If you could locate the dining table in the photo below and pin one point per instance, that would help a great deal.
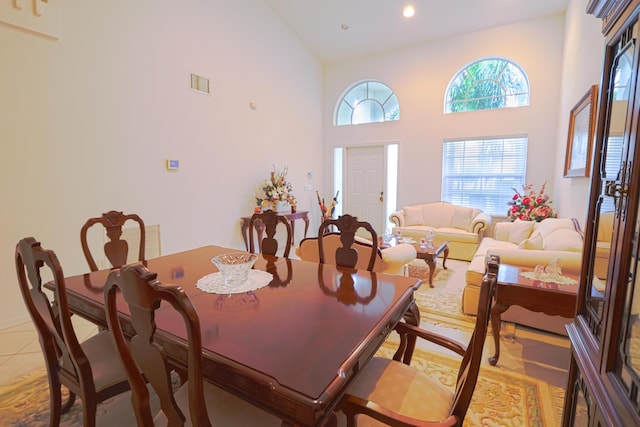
(291, 347)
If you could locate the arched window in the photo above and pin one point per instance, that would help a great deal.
(487, 84)
(367, 102)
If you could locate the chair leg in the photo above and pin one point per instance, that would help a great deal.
(69, 403)
(55, 401)
(89, 411)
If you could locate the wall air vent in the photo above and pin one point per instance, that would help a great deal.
(199, 83)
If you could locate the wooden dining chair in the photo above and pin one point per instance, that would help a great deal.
(92, 369)
(195, 403)
(346, 253)
(389, 392)
(116, 249)
(269, 244)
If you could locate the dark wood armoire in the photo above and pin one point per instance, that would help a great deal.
(604, 377)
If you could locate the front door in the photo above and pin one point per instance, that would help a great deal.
(365, 185)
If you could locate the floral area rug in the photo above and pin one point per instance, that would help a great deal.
(25, 403)
(442, 304)
(501, 398)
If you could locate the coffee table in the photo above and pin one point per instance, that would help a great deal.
(514, 289)
(430, 255)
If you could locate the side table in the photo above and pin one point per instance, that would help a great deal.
(546, 297)
(292, 217)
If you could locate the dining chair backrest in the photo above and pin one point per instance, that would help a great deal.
(472, 359)
(346, 255)
(143, 358)
(269, 244)
(89, 369)
(116, 249)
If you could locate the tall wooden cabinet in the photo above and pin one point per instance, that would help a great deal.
(604, 377)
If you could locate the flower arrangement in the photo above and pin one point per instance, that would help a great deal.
(530, 205)
(276, 189)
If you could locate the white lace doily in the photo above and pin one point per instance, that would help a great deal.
(214, 283)
(560, 280)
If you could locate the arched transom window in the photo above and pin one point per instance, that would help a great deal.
(367, 102)
(487, 84)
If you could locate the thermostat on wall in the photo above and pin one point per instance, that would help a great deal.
(173, 165)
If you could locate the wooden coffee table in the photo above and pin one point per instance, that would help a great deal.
(430, 255)
(535, 295)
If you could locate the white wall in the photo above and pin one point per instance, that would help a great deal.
(582, 68)
(420, 76)
(88, 120)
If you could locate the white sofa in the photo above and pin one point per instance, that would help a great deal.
(463, 227)
(392, 260)
(527, 244)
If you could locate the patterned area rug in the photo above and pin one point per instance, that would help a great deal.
(501, 398)
(442, 304)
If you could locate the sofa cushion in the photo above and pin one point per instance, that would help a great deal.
(462, 217)
(521, 230)
(432, 214)
(549, 225)
(533, 242)
(413, 215)
(563, 240)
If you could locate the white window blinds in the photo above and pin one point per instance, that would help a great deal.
(482, 173)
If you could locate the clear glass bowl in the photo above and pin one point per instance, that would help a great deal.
(235, 267)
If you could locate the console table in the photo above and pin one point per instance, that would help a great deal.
(259, 226)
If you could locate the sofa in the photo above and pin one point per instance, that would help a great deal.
(392, 260)
(527, 244)
(463, 227)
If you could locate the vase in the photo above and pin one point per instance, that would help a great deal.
(283, 207)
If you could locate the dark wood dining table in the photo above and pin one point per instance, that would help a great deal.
(291, 347)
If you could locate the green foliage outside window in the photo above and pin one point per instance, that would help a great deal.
(488, 84)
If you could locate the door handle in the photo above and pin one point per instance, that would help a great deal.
(382, 196)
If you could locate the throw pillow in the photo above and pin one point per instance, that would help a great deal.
(413, 215)
(533, 242)
(520, 230)
(462, 218)
(563, 240)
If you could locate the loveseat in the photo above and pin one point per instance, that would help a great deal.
(392, 260)
(463, 227)
(527, 244)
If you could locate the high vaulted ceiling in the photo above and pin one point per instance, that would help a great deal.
(375, 26)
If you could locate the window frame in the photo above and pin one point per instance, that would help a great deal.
(388, 105)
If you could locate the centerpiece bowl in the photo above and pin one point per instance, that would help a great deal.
(235, 266)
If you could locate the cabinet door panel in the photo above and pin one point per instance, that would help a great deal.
(612, 169)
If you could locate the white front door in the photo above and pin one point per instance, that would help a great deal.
(365, 185)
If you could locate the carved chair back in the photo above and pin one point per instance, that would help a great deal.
(116, 249)
(68, 362)
(347, 254)
(145, 359)
(269, 244)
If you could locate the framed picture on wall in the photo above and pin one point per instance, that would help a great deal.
(582, 123)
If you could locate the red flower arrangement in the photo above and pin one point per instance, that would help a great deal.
(530, 205)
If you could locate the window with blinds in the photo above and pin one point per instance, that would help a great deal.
(482, 173)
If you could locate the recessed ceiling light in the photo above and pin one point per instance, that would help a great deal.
(408, 11)
(344, 27)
